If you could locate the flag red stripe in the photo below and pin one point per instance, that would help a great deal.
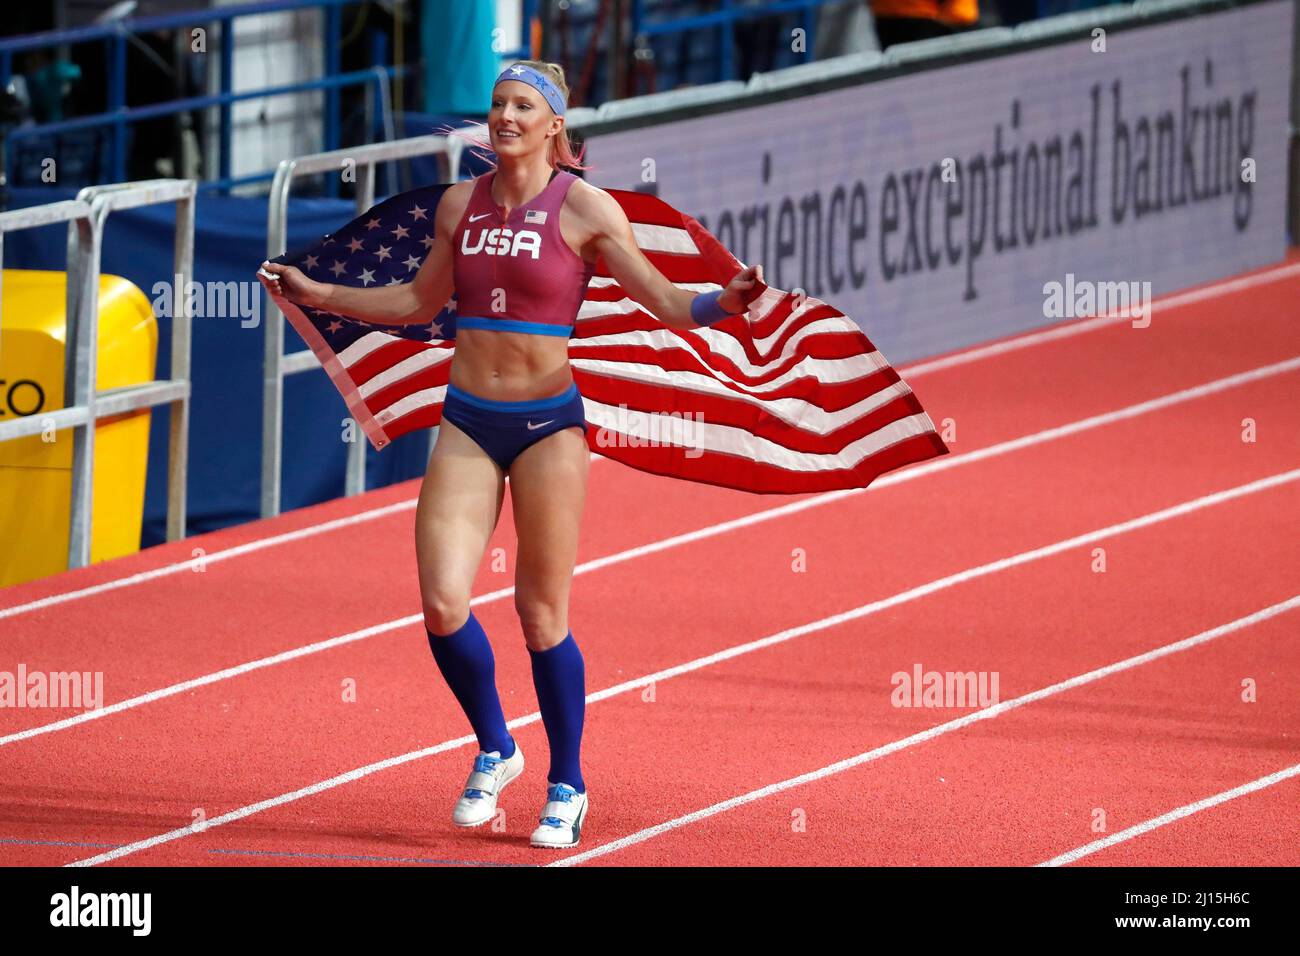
(745, 474)
(380, 360)
(832, 396)
(646, 398)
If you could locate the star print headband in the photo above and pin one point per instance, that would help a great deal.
(539, 82)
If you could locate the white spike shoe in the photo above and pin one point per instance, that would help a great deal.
(478, 803)
(561, 822)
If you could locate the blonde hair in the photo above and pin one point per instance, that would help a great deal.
(562, 151)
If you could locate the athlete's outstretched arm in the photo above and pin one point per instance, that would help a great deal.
(614, 241)
(412, 302)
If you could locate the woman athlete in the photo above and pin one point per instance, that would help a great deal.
(519, 245)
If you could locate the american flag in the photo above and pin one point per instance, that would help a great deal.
(790, 397)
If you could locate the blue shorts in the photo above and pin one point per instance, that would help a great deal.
(505, 429)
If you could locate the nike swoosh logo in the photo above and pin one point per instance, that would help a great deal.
(531, 426)
(478, 217)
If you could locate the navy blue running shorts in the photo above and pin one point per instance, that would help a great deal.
(505, 429)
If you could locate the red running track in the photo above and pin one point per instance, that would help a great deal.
(964, 564)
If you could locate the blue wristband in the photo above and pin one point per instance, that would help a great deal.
(705, 309)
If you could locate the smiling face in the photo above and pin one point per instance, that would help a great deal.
(520, 120)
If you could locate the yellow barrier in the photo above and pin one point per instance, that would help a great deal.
(36, 472)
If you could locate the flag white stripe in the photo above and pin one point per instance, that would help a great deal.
(370, 342)
(727, 346)
(697, 438)
(794, 412)
(411, 365)
(590, 310)
(720, 340)
(653, 238)
(606, 282)
(705, 379)
(835, 322)
(414, 402)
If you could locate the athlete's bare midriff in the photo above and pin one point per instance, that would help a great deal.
(516, 366)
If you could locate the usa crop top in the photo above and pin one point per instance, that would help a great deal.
(517, 274)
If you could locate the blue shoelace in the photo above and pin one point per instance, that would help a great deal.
(484, 763)
(559, 793)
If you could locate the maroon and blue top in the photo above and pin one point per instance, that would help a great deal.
(517, 274)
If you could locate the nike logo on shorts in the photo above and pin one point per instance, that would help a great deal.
(531, 426)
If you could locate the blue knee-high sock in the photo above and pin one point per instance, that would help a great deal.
(465, 659)
(559, 678)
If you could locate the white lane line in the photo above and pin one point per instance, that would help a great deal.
(173, 689)
(981, 352)
(780, 511)
(876, 753)
(238, 551)
(251, 809)
(778, 638)
(1178, 814)
(973, 354)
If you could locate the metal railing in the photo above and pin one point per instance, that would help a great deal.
(728, 14)
(84, 405)
(119, 115)
(724, 19)
(276, 365)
